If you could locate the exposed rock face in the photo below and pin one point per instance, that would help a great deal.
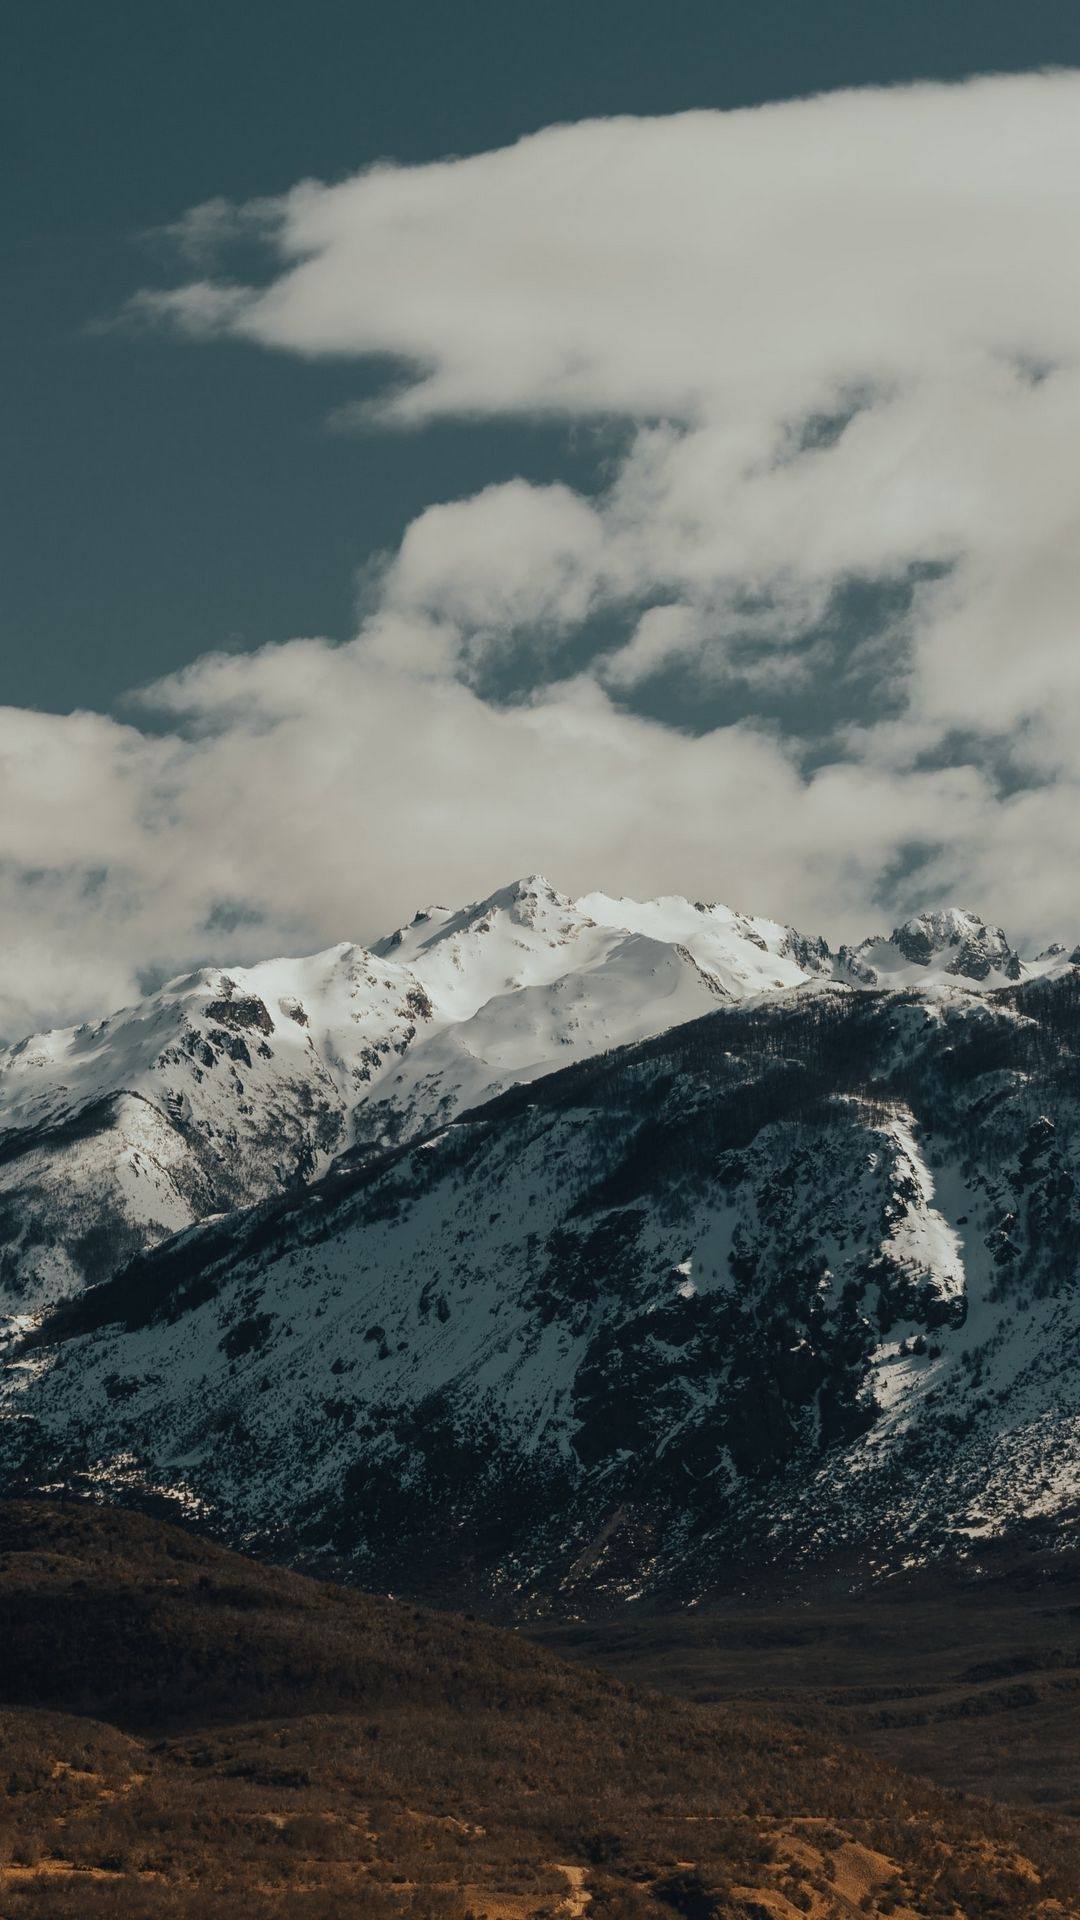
(946, 945)
(242, 1011)
(966, 946)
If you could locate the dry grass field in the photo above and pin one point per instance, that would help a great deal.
(185, 1733)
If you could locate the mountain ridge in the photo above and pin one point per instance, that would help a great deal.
(228, 1085)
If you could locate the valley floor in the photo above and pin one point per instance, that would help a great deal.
(188, 1735)
(967, 1673)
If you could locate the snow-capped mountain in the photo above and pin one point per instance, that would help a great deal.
(528, 980)
(951, 945)
(228, 1086)
(795, 1279)
(212, 1093)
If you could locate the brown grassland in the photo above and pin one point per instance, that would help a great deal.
(188, 1733)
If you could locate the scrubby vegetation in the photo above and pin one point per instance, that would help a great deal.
(967, 1671)
(189, 1734)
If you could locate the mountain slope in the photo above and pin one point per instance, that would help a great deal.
(793, 1281)
(217, 1090)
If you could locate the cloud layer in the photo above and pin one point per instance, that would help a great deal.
(737, 262)
(843, 336)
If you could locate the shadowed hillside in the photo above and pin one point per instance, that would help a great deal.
(186, 1733)
(968, 1672)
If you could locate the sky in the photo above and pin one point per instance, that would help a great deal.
(632, 443)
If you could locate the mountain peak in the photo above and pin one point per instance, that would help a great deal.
(949, 941)
(523, 900)
(975, 948)
(533, 892)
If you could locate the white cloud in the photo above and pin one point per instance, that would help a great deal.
(743, 262)
(663, 636)
(374, 791)
(846, 335)
(327, 794)
(905, 254)
(480, 571)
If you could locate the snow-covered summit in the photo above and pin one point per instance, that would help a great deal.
(229, 1084)
(271, 1020)
(217, 1090)
(528, 935)
(952, 945)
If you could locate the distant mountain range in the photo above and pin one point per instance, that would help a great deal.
(562, 1253)
(228, 1087)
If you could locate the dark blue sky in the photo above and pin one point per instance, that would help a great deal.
(163, 499)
